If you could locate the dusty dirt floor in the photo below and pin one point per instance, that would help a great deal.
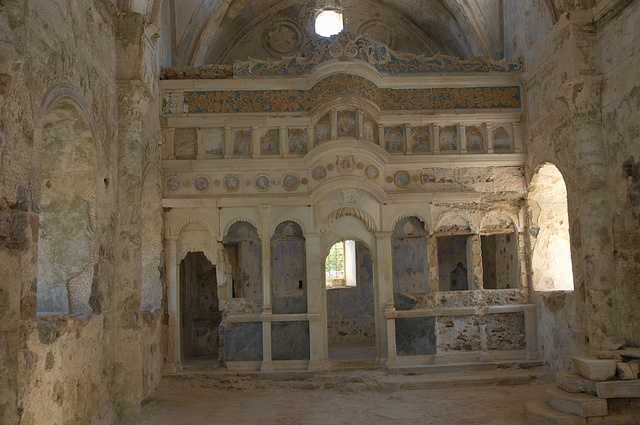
(355, 398)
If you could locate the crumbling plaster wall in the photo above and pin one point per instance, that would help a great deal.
(62, 369)
(583, 117)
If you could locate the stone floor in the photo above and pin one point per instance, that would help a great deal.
(356, 398)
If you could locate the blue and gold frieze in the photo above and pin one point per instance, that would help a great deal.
(340, 85)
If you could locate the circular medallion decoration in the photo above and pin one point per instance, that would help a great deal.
(372, 172)
(380, 31)
(201, 183)
(290, 182)
(330, 167)
(282, 37)
(173, 183)
(319, 173)
(231, 183)
(262, 182)
(402, 179)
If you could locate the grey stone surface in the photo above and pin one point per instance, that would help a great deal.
(415, 336)
(290, 340)
(243, 342)
(618, 389)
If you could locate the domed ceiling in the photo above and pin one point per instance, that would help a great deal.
(197, 32)
(223, 31)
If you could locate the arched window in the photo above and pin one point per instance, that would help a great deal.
(549, 231)
(340, 265)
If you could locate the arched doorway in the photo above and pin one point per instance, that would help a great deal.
(200, 314)
(352, 329)
(350, 300)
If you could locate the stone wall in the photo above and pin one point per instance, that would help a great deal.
(57, 59)
(583, 117)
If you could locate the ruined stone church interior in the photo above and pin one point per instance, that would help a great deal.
(319, 212)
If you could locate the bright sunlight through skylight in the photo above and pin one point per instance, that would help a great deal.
(328, 23)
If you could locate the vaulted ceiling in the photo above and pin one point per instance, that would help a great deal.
(199, 32)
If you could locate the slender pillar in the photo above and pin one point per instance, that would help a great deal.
(173, 303)
(319, 356)
(384, 280)
(267, 317)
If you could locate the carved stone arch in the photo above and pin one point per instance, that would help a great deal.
(60, 95)
(239, 219)
(348, 182)
(186, 222)
(361, 215)
(282, 220)
(498, 220)
(419, 216)
(452, 222)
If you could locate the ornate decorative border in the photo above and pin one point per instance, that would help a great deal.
(335, 86)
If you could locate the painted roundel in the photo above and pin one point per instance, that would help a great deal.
(372, 172)
(402, 179)
(319, 173)
(231, 183)
(290, 182)
(173, 183)
(201, 183)
(262, 182)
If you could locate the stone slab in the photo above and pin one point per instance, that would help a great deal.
(628, 371)
(594, 368)
(580, 404)
(618, 389)
(541, 414)
(575, 383)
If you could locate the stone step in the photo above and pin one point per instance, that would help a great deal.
(615, 420)
(594, 368)
(574, 383)
(584, 405)
(618, 389)
(541, 414)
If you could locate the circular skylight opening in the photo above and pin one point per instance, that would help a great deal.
(328, 23)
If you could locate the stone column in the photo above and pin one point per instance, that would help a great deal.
(383, 283)
(434, 270)
(319, 357)
(173, 303)
(474, 261)
(133, 98)
(589, 201)
(267, 317)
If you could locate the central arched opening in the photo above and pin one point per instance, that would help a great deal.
(350, 300)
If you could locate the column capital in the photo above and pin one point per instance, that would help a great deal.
(382, 235)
